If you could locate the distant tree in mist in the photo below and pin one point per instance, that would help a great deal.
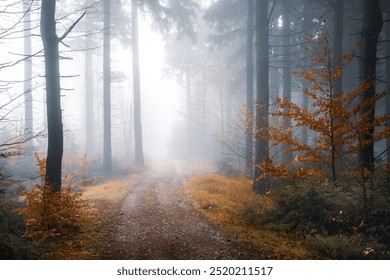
(139, 152)
(89, 82)
(306, 23)
(107, 153)
(28, 100)
(249, 92)
(110, 19)
(286, 157)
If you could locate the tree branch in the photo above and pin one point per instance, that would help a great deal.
(71, 27)
(270, 13)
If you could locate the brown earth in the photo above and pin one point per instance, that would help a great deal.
(156, 220)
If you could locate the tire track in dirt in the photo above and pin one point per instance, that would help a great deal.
(157, 221)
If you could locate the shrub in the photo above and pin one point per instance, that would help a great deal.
(50, 214)
(311, 207)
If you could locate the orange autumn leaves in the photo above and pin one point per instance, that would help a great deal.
(335, 120)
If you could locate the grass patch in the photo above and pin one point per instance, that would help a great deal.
(114, 191)
(231, 204)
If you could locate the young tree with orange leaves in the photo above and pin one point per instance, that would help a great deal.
(336, 118)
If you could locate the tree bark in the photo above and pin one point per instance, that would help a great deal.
(189, 113)
(88, 76)
(262, 93)
(338, 7)
(53, 96)
(286, 157)
(139, 153)
(249, 93)
(27, 87)
(372, 27)
(107, 157)
(338, 42)
(306, 54)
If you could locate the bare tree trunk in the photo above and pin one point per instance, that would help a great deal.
(88, 73)
(338, 41)
(249, 94)
(338, 64)
(307, 21)
(204, 148)
(286, 157)
(107, 157)
(372, 27)
(189, 114)
(262, 99)
(53, 95)
(139, 153)
(27, 87)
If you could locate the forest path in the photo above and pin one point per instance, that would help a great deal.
(156, 221)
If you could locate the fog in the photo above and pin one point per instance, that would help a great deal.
(162, 98)
(197, 79)
(190, 129)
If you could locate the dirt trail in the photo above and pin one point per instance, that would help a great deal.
(157, 222)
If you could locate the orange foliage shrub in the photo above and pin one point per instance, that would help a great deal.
(51, 214)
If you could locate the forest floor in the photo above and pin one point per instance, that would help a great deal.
(149, 217)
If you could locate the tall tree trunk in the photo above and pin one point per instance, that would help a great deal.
(372, 27)
(53, 95)
(286, 157)
(139, 153)
(338, 7)
(189, 113)
(307, 21)
(27, 87)
(338, 41)
(262, 93)
(88, 79)
(107, 157)
(204, 146)
(249, 93)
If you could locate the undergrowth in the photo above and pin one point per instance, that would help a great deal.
(332, 217)
(42, 224)
(307, 220)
